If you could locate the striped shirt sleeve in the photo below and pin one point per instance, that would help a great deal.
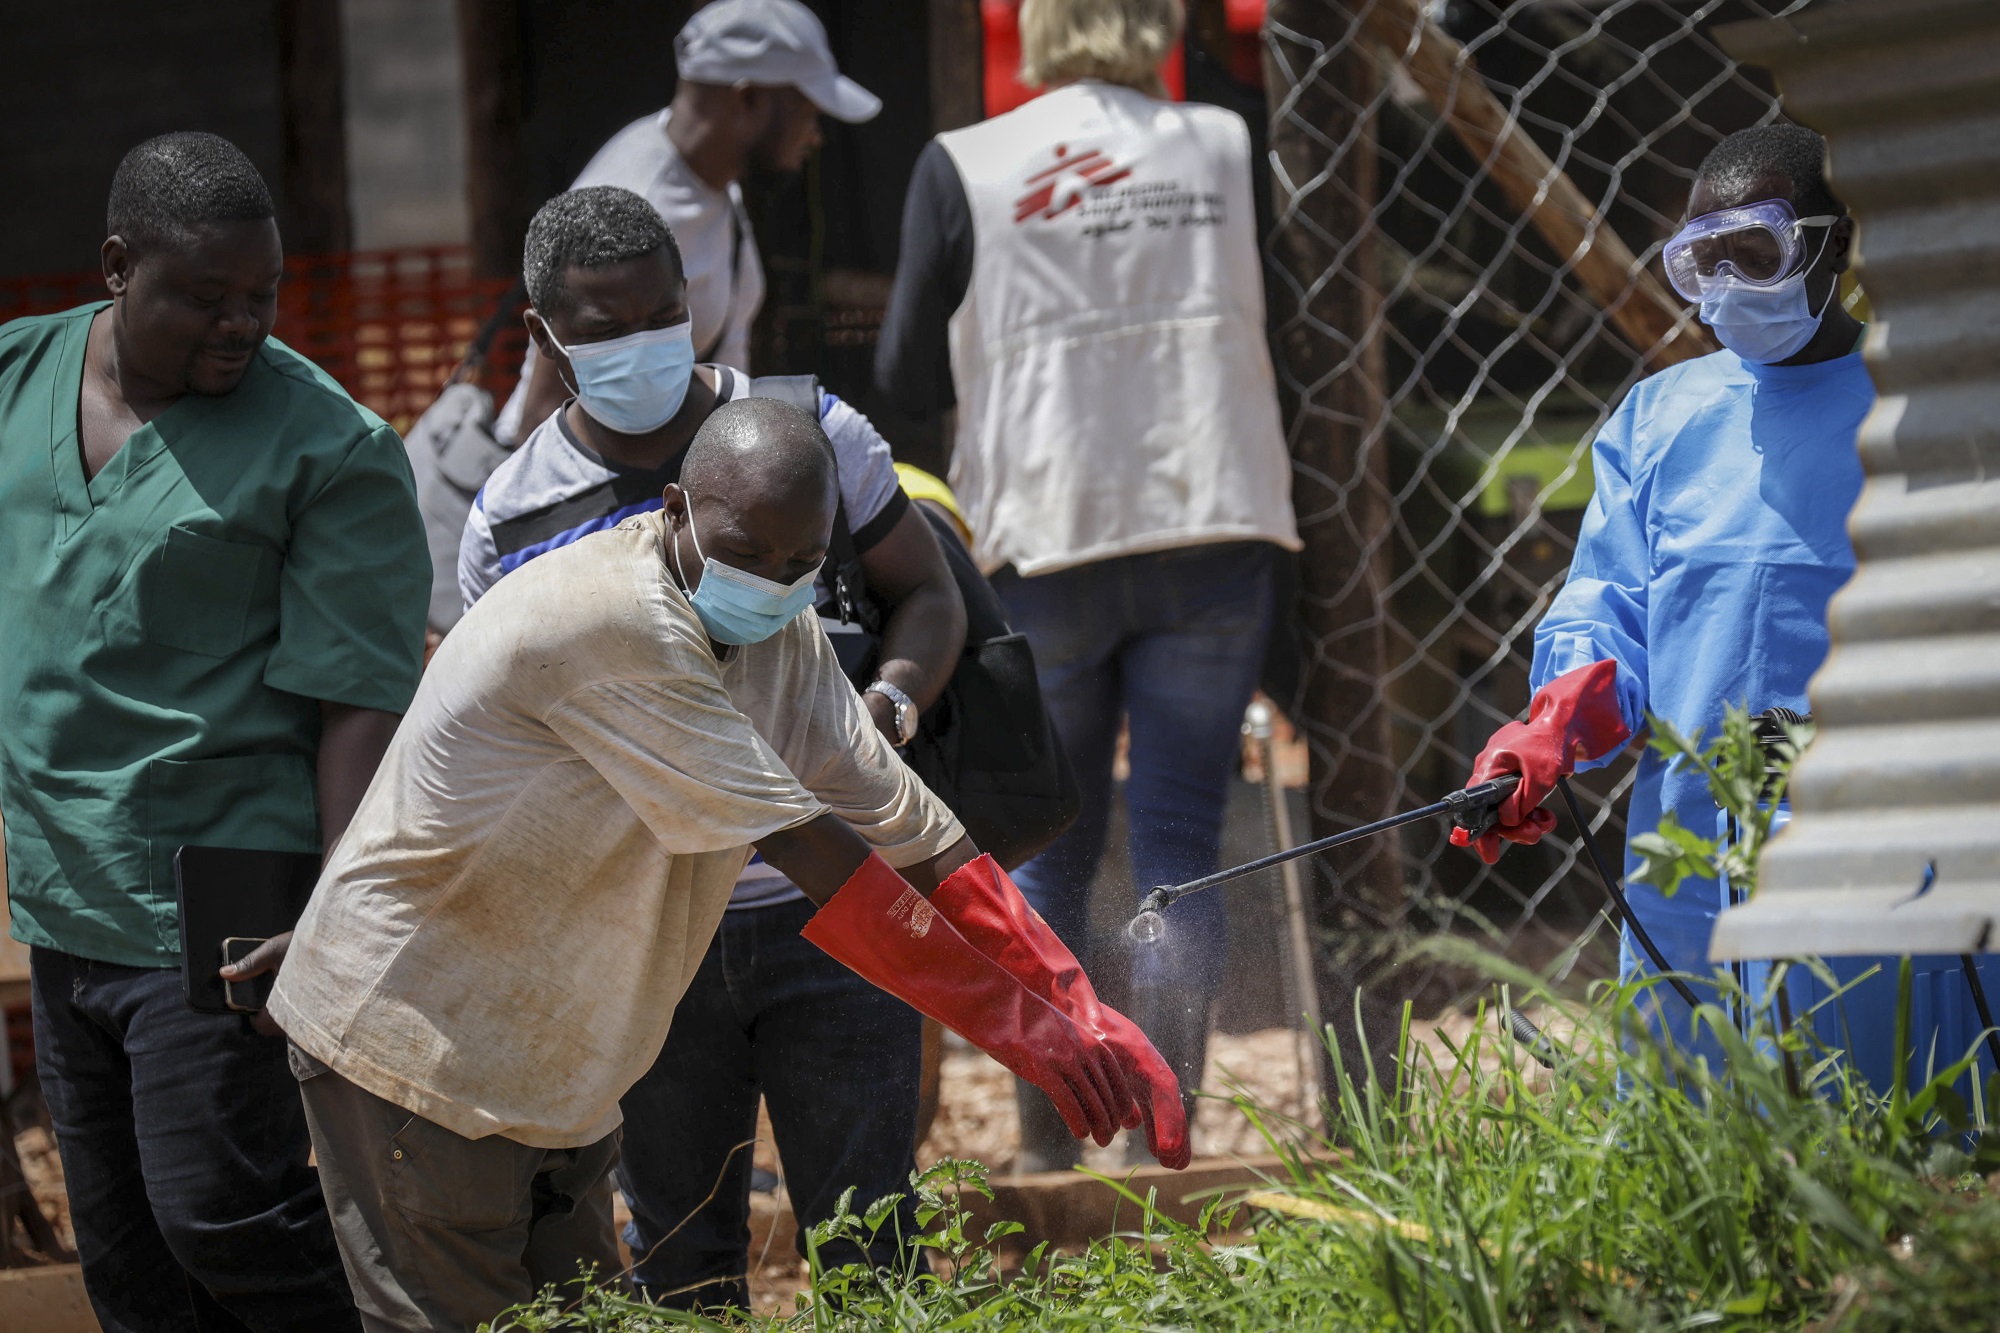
(478, 557)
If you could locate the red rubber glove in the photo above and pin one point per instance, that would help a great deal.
(1573, 718)
(890, 935)
(990, 912)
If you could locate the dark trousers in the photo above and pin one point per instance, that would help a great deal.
(1171, 642)
(440, 1232)
(838, 1063)
(184, 1148)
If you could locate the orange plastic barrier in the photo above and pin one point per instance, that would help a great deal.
(390, 325)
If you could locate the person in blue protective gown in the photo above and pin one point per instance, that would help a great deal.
(1703, 569)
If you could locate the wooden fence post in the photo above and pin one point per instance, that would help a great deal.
(1322, 84)
(496, 191)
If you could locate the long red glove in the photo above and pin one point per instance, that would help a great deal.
(1573, 718)
(890, 935)
(990, 912)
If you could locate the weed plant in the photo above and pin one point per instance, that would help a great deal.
(1600, 1181)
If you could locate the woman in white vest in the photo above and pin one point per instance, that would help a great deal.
(1080, 278)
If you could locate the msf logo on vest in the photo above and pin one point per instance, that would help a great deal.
(1056, 189)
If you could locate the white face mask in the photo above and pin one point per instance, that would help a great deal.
(1766, 324)
(736, 606)
(636, 383)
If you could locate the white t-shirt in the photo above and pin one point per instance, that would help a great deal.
(555, 490)
(725, 278)
(533, 876)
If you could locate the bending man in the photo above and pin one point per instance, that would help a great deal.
(837, 1062)
(495, 951)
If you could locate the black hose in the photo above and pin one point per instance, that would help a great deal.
(1531, 1039)
(1971, 966)
(1479, 800)
(1618, 897)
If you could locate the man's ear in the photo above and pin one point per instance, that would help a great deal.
(673, 501)
(116, 259)
(1840, 245)
(538, 329)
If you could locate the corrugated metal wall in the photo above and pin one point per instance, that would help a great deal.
(1906, 766)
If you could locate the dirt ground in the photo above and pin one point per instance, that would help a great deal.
(977, 1117)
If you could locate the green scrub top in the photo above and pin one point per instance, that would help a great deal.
(173, 622)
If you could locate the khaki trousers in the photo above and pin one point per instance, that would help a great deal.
(442, 1232)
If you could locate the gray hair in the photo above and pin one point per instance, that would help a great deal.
(1118, 41)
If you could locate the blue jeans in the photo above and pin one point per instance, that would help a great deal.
(183, 1143)
(1173, 641)
(838, 1063)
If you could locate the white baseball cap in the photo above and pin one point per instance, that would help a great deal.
(773, 43)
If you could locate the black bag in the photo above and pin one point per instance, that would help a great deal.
(986, 747)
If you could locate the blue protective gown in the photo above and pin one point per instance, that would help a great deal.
(1716, 535)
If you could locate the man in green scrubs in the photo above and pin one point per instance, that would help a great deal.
(214, 595)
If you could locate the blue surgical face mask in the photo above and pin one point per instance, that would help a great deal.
(634, 384)
(736, 606)
(1766, 324)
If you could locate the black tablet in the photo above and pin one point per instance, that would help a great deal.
(235, 894)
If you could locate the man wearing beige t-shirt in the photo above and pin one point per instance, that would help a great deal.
(494, 951)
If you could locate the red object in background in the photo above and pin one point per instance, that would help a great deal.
(1245, 58)
(389, 325)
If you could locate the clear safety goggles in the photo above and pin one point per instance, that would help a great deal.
(1756, 245)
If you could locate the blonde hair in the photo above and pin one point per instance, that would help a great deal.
(1118, 41)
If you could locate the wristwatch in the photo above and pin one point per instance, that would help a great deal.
(905, 706)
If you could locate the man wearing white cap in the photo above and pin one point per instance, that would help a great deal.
(754, 77)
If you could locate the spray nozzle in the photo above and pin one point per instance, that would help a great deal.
(1148, 926)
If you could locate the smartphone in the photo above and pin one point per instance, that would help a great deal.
(245, 997)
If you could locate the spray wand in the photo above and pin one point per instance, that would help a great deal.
(1473, 804)
(1474, 809)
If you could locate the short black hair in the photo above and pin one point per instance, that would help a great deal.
(1792, 151)
(173, 183)
(594, 227)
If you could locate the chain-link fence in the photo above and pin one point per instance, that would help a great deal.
(1470, 198)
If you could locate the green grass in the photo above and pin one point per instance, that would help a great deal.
(1471, 1189)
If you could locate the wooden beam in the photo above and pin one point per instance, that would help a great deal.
(1327, 312)
(496, 189)
(1070, 1208)
(1656, 324)
(958, 69)
(315, 128)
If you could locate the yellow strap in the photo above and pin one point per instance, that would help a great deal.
(921, 485)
